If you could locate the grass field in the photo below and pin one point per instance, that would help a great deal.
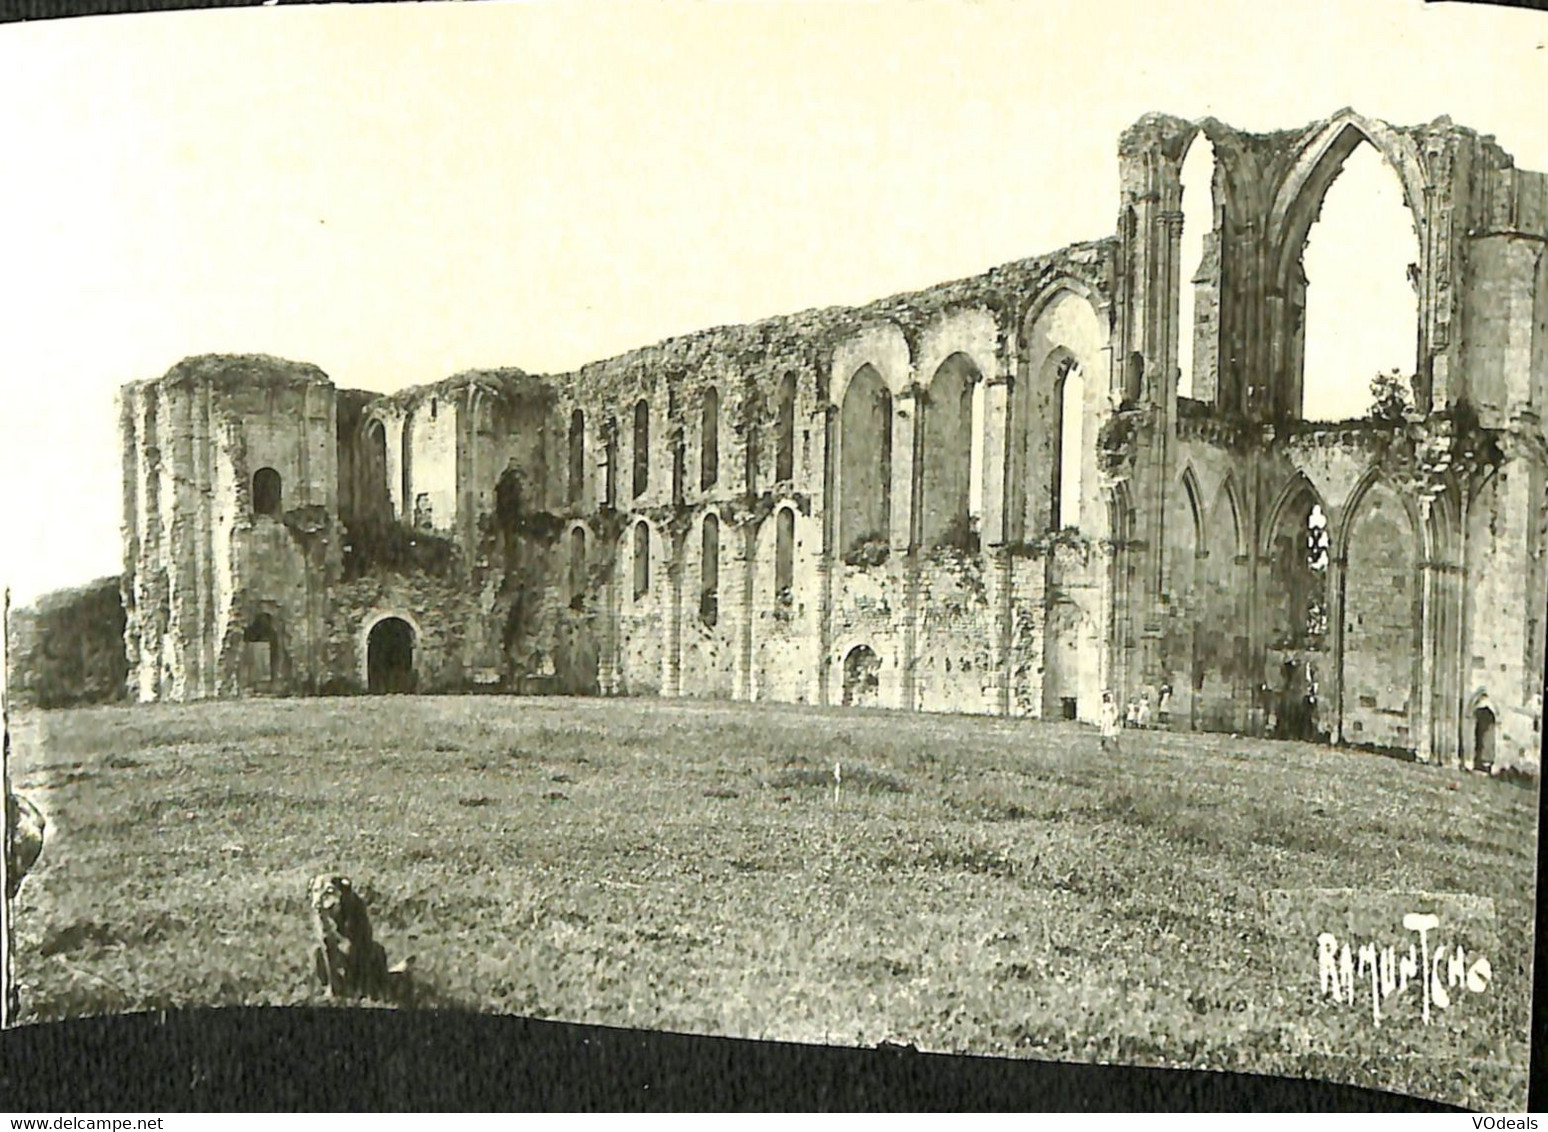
(980, 885)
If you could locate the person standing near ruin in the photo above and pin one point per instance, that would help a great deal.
(1164, 707)
(1109, 724)
(1144, 710)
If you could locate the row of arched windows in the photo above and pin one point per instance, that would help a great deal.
(951, 481)
(709, 559)
(951, 425)
(951, 477)
(709, 447)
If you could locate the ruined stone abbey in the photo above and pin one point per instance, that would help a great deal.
(999, 495)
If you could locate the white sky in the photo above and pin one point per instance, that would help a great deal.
(398, 192)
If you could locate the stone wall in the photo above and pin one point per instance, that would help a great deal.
(985, 496)
(67, 648)
(202, 564)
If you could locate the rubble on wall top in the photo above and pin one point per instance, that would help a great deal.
(501, 381)
(808, 338)
(239, 371)
(1168, 132)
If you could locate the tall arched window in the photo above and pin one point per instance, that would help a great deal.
(378, 494)
(709, 571)
(266, 492)
(1198, 292)
(679, 463)
(948, 454)
(577, 456)
(610, 471)
(1352, 302)
(865, 466)
(752, 449)
(577, 568)
(1297, 615)
(641, 446)
(784, 427)
(406, 468)
(1069, 394)
(641, 559)
(709, 440)
(784, 556)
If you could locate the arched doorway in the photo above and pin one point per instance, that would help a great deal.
(260, 654)
(1483, 737)
(862, 677)
(390, 657)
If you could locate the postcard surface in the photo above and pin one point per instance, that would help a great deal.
(951, 525)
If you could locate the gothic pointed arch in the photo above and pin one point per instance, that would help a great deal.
(1051, 425)
(1316, 164)
(1291, 496)
(1382, 618)
(1337, 316)
(1372, 479)
(1295, 554)
(1228, 515)
(946, 477)
(1188, 483)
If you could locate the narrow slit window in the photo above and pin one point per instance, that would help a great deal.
(784, 462)
(577, 568)
(709, 440)
(784, 557)
(709, 572)
(641, 447)
(577, 455)
(641, 560)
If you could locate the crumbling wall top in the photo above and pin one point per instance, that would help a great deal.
(1170, 135)
(238, 372)
(504, 383)
(807, 339)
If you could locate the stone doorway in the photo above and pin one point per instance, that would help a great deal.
(1483, 738)
(862, 677)
(260, 654)
(390, 657)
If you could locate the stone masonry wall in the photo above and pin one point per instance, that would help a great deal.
(985, 496)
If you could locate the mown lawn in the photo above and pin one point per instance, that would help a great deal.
(980, 885)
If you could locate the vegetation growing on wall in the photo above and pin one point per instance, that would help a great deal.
(373, 543)
(1115, 440)
(1067, 538)
(1392, 396)
(527, 538)
(869, 551)
(513, 517)
(68, 649)
(1415, 452)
